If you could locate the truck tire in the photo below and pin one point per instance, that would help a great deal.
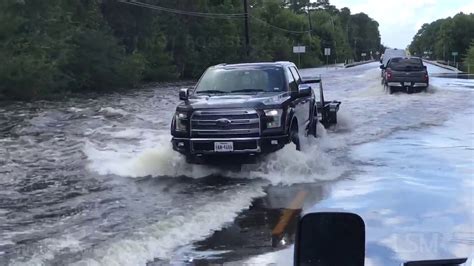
(294, 137)
(190, 159)
(313, 127)
(392, 90)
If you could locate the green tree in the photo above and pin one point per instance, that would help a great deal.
(469, 59)
(444, 36)
(61, 46)
(32, 45)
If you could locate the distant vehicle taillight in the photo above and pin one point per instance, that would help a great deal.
(426, 76)
(389, 74)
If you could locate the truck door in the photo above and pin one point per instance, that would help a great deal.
(302, 104)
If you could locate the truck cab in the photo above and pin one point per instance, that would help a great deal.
(238, 112)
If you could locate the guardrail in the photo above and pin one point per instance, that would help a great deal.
(359, 63)
(439, 64)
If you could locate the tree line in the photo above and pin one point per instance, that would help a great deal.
(443, 37)
(57, 47)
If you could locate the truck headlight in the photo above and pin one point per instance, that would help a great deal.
(180, 121)
(274, 117)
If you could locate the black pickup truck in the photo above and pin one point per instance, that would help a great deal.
(405, 74)
(240, 111)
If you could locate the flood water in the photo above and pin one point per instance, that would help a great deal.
(94, 181)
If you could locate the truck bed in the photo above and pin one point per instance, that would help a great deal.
(327, 112)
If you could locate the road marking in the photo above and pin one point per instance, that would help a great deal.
(289, 213)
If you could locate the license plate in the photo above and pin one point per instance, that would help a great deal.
(407, 83)
(223, 146)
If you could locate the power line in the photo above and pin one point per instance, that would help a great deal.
(278, 28)
(188, 13)
(247, 28)
(210, 15)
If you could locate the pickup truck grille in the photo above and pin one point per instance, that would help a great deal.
(225, 124)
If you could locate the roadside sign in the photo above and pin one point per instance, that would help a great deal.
(299, 49)
(377, 53)
(363, 54)
(454, 55)
(327, 51)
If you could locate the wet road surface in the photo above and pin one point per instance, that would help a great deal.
(93, 180)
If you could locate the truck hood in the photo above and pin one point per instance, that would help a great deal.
(257, 101)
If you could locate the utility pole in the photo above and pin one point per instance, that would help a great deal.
(355, 48)
(309, 20)
(444, 50)
(247, 34)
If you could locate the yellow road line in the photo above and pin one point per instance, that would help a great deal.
(289, 213)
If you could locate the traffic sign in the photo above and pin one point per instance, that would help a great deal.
(455, 53)
(327, 51)
(363, 54)
(299, 49)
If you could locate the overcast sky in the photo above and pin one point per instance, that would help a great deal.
(400, 20)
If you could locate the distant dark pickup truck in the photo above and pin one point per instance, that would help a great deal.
(405, 74)
(237, 112)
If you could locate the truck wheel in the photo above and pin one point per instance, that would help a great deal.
(294, 137)
(391, 90)
(313, 127)
(190, 159)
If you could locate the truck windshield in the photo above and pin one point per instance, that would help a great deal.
(240, 80)
(405, 64)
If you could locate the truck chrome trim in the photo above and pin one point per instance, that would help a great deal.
(420, 84)
(229, 139)
(209, 123)
(225, 112)
(254, 140)
(395, 84)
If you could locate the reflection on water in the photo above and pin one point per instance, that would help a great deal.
(453, 75)
(94, 179)
(417, 196)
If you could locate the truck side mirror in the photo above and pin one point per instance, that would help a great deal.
(311, 80)
(382, 67)
(184, 94)
(330, 238)
(450, 262)
(425, 67)
(304, 90)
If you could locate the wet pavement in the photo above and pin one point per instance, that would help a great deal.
(93, 180)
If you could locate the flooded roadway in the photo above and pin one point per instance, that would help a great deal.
(94, 181)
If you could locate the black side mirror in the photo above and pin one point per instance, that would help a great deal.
(184, 94)
(382, 67)
(450, 262)
(425, 67)
(330, 238)
(304, 90)
(310, 80)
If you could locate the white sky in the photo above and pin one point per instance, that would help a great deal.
(401, 19)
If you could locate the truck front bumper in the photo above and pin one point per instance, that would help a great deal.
(242, 146)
